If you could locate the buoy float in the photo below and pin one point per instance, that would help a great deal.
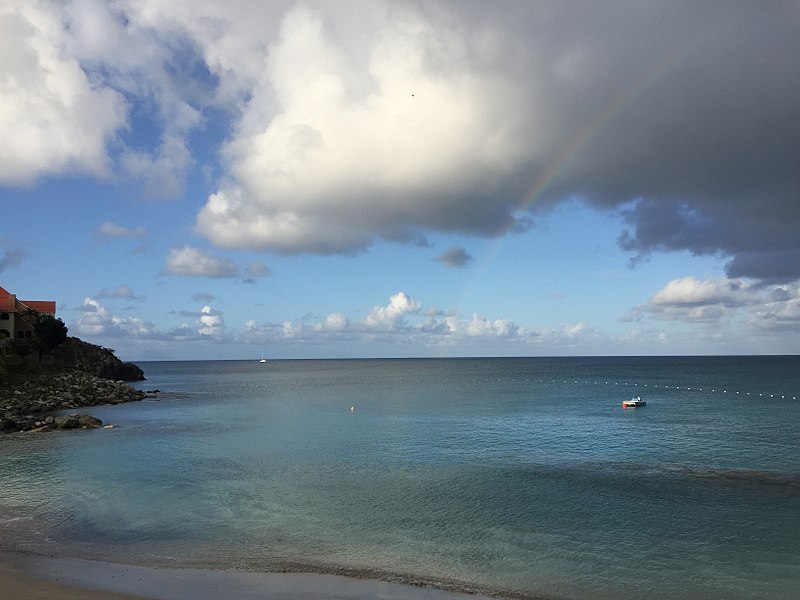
(352, 409)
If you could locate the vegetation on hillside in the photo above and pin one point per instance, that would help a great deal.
(52, 350)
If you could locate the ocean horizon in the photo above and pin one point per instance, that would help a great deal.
(517, 477)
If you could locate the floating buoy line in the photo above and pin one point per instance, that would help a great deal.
(686, 388)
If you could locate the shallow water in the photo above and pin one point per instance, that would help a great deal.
(507, 475)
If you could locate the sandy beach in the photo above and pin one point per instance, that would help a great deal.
(28, 577)
(17, 583)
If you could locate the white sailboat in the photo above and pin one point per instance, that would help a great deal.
(263, 360)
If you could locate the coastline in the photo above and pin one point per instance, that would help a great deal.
(35, 577)
(19, 583)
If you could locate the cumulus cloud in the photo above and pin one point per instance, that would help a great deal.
(780, 313)
(189, 261)
(333, 322)
(391, 315)
(342, 142)
(77, 76)
(402, 118)
(402, 320)
(111, 229)
(98, 320)
(210, 322)
(479, 326)
(53, 117)
(454, 257)
(427, 131)
(764, 308)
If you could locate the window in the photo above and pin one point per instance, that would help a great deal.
(4, 317)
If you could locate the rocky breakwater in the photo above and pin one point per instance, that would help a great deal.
(25, 406)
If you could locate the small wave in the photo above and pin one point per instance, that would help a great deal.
(447, 585)
(9, 520)
(756, 476)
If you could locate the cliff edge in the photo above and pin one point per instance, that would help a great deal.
(76, 374)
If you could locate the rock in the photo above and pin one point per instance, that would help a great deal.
(67, 422)
(75, 421)
(96, 360)
(25, 403)
(89, 422)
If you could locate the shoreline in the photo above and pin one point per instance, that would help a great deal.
(34, 577)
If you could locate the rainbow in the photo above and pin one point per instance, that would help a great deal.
(576, 144)
(601, 119)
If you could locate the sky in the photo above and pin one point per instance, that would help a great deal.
(195, 179)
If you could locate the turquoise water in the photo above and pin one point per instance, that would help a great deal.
(512, 476)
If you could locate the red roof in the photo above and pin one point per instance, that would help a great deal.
(9, 303)
(41, 306)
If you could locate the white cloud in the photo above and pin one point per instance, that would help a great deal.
(333, 322)
(190, 261)
(70, 74)
(211, 323)
(779, 313)
(389, 317)
(54, 118)
(574, 330)
(400, 321)
(110, 229)
(476, 327)
(98, 321)
(689, 299)
(377, 143)
(764, 308)
(690, 291)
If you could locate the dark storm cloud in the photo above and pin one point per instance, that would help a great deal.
(701, 129)
(454, 257)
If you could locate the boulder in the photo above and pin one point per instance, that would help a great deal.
(75, 421)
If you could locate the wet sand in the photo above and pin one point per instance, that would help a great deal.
(18, 584)
(28, 577)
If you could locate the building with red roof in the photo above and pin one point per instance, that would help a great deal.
(18, 317)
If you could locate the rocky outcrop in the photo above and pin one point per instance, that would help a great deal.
(25, 406)
(73, 421)
(99, 361)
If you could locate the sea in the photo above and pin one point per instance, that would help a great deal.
(510, 477)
